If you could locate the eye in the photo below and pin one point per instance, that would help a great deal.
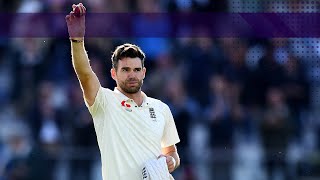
(124, 70)
(137, 70)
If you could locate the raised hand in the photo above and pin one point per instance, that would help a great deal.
(76, 21)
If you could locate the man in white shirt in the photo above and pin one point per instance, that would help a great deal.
(131, 127)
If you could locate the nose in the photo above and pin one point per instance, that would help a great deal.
(131, 74)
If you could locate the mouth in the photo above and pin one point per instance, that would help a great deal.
(131, 83)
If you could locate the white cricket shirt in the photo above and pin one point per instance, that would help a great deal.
(129, 135)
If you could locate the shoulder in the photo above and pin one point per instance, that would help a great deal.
(104, 94)
(106, 91)
(158, 103)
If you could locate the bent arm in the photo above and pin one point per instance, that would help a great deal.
(88, 80)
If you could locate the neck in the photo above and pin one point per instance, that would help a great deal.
(137, 97)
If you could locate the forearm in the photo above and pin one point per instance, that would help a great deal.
(80, 60)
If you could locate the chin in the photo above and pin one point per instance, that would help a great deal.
(131, 90)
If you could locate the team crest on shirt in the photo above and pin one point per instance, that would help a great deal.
(126, 106)
(152, 114)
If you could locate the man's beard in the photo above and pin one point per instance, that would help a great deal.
(131, 90)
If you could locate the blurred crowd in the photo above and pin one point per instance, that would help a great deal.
(244, 108)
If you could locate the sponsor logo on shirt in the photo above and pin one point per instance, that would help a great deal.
(126, 106)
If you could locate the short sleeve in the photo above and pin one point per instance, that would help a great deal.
(99, 102)
(170, 134)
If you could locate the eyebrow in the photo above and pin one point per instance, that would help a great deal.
(127, 68)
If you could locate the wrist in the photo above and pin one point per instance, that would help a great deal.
(76, 39)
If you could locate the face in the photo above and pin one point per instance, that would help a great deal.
(129, 75)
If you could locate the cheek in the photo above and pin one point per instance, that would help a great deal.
(121, 76)
(121, 79)
(141, 75)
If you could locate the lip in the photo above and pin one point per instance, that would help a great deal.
(133, 82)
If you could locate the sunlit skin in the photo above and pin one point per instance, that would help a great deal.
(129, 77)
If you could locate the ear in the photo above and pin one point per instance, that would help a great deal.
(144, 70)
(113, 74)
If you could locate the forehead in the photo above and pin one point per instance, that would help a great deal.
(130, 62)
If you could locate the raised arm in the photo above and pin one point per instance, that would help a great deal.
(88, 80)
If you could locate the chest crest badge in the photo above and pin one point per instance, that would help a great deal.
(152, 114)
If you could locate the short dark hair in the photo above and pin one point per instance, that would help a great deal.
(127, 50)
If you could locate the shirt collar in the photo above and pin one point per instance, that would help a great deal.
(145, 101)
